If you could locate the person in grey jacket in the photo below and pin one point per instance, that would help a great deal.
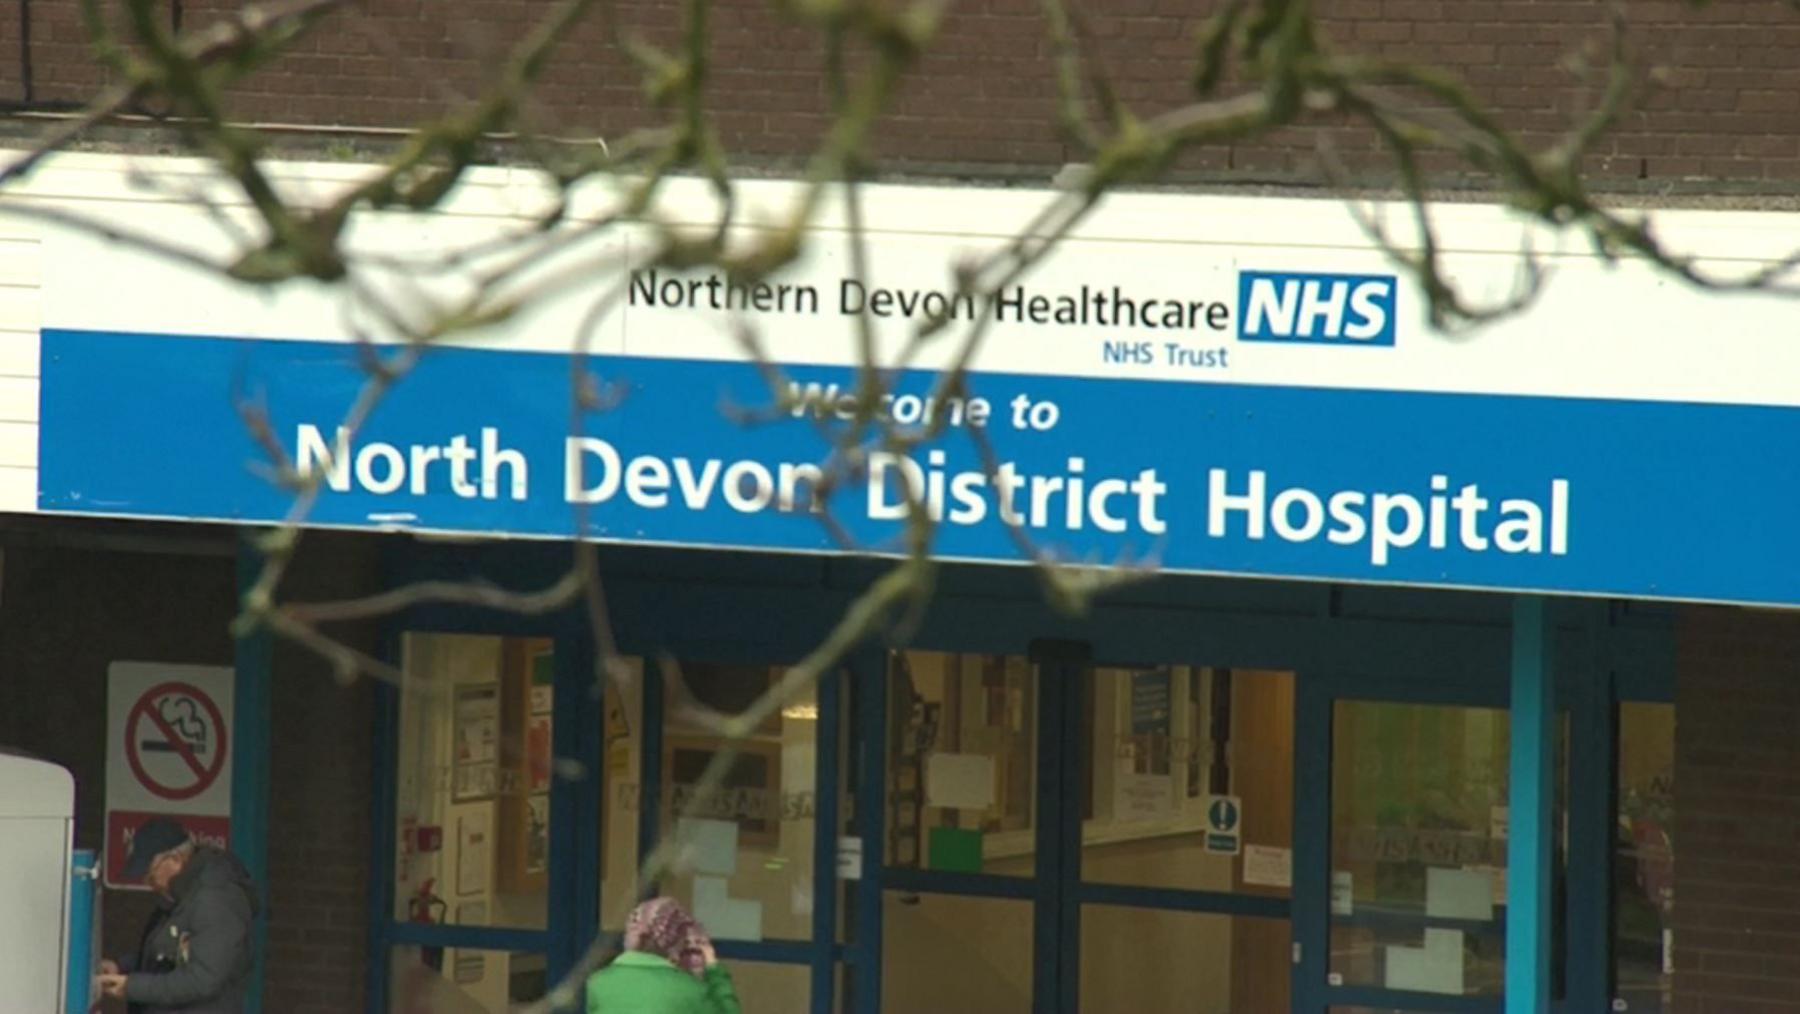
(196, 952)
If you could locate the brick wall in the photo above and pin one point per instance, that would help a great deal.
(1737, 804)
(66, 613)
(320, 783)
(1728, 107)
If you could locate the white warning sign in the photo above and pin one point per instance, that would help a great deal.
(168, 753)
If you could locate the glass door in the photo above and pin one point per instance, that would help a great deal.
(475, 809)
(747, 860)
(747, 814)
(1643, 858)
(1061, 836)
(963, 817)
(1406, 903)
(1177, 908)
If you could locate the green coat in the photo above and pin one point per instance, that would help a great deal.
(640, 983)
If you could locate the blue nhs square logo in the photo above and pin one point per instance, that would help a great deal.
(1285, 306)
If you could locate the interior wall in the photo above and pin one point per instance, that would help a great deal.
(464, 871)
(954, 954)
(619, 819)
(1143, 959)
(1263, 776)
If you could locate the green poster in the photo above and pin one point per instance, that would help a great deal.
(954, 850)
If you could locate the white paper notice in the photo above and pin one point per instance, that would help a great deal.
(1266, 866)
(1496, 876)
(710, 845)
(710, 893)
(711, 900)
(1458, 894)
(741, 920)
(723, 916)
(1445, 943)
(1436, 967)
(849, 859)
(963, 781)
(1342, 894)
(472, 853)
(1142, 797)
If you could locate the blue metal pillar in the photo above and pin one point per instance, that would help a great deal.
(650, 767)
(576, 733)
(250, 731)
(869, 666)
(827, 829)
(1531, 815)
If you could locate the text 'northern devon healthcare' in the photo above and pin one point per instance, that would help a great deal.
(1086, 306)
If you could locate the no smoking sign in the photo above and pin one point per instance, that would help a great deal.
(168, 753)
(175, 741)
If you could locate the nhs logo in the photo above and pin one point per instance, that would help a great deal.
(1282, 306)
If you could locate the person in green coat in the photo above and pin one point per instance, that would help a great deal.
(667, 967)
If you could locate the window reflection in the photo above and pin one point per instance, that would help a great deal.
(745, 860)
(1644, 857)
(1419, 837)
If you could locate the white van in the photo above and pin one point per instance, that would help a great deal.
(40, 919)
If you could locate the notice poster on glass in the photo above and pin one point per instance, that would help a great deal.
(473, 852)
(1139, 797)
(1268, 866)
(1150, 707)
(537, 835)
(470, 966)
(1143, 778)
(538, 755)
(477, 742)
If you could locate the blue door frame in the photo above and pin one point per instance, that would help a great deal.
(1582, 691)
(820, 953)
(1341, 643)
(571, 833)
(1317, 698)
(575, 839)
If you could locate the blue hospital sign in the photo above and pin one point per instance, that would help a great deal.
(1177, 405)
(1498, 492)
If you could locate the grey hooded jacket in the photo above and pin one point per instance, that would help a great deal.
(196, 953)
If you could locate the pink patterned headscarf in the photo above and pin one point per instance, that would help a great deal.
(661, 926)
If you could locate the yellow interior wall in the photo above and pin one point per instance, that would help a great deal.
(435, 665)
(1648, 744)
(952, 954)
